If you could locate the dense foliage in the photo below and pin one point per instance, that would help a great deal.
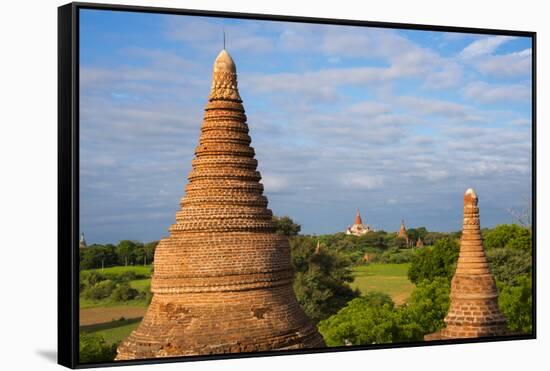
(508, 236)
(516, 303)
(370, 319)
(509, 265)
(286, 226)
(436, 261)
(322, 279)
(93, 348)
(375, 319)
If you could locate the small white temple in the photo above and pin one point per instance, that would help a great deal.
(82, 243)
(358, 228)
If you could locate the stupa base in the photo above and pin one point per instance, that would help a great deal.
(466, 332)
(210, 323)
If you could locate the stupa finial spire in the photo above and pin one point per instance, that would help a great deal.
(224, 78)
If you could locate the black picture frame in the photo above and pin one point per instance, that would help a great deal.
(68, 175)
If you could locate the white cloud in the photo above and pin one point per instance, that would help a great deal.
(507, 65)
(358, 180)
(429, 106)
(274, 182)
(484, 46)
(521, 122)
(370, 108)
(491, 93)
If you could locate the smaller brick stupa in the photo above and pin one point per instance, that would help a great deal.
(474, 308)
(419, 243)
(403, 232)
(318, 248)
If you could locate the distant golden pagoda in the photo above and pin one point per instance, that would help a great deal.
(222, 281)
(358, 228)
(474, 310)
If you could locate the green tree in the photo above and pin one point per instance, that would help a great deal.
(516, 303)
(438, 260)
(149, 249)
(424, 311)
(374, 318)
(286, 226)
(416, 233)
(322, 279)
(509, 264)
(370, 319)
(93, 348)
(508, 235)
(125, 251)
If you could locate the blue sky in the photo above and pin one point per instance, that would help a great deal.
(397, 123)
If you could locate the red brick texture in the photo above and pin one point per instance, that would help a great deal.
(474, 308)
(222, 280)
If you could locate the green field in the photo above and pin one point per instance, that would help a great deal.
(142, 285)
(388, 278)
(118, 270)
(114, 331)
(112, 273)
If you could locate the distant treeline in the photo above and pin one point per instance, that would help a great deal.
(126, 252)
(381, 246)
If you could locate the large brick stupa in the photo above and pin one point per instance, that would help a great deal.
(222, 280)
(474, 308)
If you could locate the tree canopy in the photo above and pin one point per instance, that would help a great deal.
(322, 278)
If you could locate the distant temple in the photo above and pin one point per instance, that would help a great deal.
(223, 278)
(358, 228)
(82, 243)
(419, 243)
(403, 232)
(318, 248)
(474, 310)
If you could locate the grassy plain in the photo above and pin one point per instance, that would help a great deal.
(388, 278)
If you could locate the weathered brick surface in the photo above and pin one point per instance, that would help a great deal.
(222, 281)
(474, 308)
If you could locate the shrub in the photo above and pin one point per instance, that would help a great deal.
(93, 348)
(124, 292)
(396, 256)
(90, 278)
(100, 290)
(128, 276)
